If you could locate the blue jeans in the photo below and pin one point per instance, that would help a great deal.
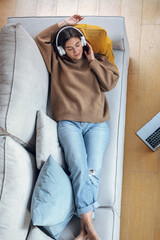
(84, 145)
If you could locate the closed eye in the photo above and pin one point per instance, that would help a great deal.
(78, 44)
(70, 48)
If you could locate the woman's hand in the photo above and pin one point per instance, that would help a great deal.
(90, 54)
(73, 20)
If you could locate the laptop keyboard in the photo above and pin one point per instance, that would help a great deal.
(154, 138)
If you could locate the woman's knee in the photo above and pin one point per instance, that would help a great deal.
(76, 161)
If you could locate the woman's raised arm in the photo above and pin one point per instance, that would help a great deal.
(70, 21)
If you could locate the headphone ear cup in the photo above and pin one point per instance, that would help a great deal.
(83, 41)
(61, 51)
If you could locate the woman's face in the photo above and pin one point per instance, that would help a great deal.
(73, 48)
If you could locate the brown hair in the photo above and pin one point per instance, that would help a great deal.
(66, 34)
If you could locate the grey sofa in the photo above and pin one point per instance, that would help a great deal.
(24, 90)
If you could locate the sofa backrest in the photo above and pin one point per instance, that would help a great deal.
(115, 26)
(24, 84)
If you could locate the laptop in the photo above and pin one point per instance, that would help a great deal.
(150, 133)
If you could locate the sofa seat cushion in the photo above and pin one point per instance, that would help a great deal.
(17, 176)
(37, 234)
(106, 225)
(24, 84)
(111, 173)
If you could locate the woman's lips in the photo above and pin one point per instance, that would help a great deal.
(77, 55)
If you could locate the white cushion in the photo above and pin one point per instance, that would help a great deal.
(47, 140)
(24, 83)
(17, 177)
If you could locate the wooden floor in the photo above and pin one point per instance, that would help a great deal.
(140, 217)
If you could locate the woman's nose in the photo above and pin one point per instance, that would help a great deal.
(75, 51)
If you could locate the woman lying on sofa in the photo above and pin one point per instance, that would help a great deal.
(79, 79)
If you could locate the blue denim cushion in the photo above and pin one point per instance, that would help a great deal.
(52, 201)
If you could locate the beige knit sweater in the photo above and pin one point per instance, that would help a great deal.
(77, 87)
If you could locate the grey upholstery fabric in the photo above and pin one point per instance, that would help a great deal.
(17, 178)
(111, 175)
(24, 84)
(114, 25)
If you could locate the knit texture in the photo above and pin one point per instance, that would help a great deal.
(77, 87)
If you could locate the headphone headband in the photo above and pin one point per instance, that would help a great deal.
(60, 48)
(66, 28)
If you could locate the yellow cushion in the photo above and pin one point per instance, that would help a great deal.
(98, 39)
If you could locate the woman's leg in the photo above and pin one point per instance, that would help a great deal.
(87, 228)
(71, 139)
(85, 183)
(96, 140)
(83, 235)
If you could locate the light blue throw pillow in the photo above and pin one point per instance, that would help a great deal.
(52, 205)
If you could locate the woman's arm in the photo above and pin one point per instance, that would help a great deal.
(73, 20)
(44, 41)
(45, 38)
(105, 71)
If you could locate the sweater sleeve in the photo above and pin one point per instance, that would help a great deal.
(44, 41)
(106, 73)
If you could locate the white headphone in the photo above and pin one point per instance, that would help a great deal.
(60, 49)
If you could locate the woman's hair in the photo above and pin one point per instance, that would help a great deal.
(66, 34)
